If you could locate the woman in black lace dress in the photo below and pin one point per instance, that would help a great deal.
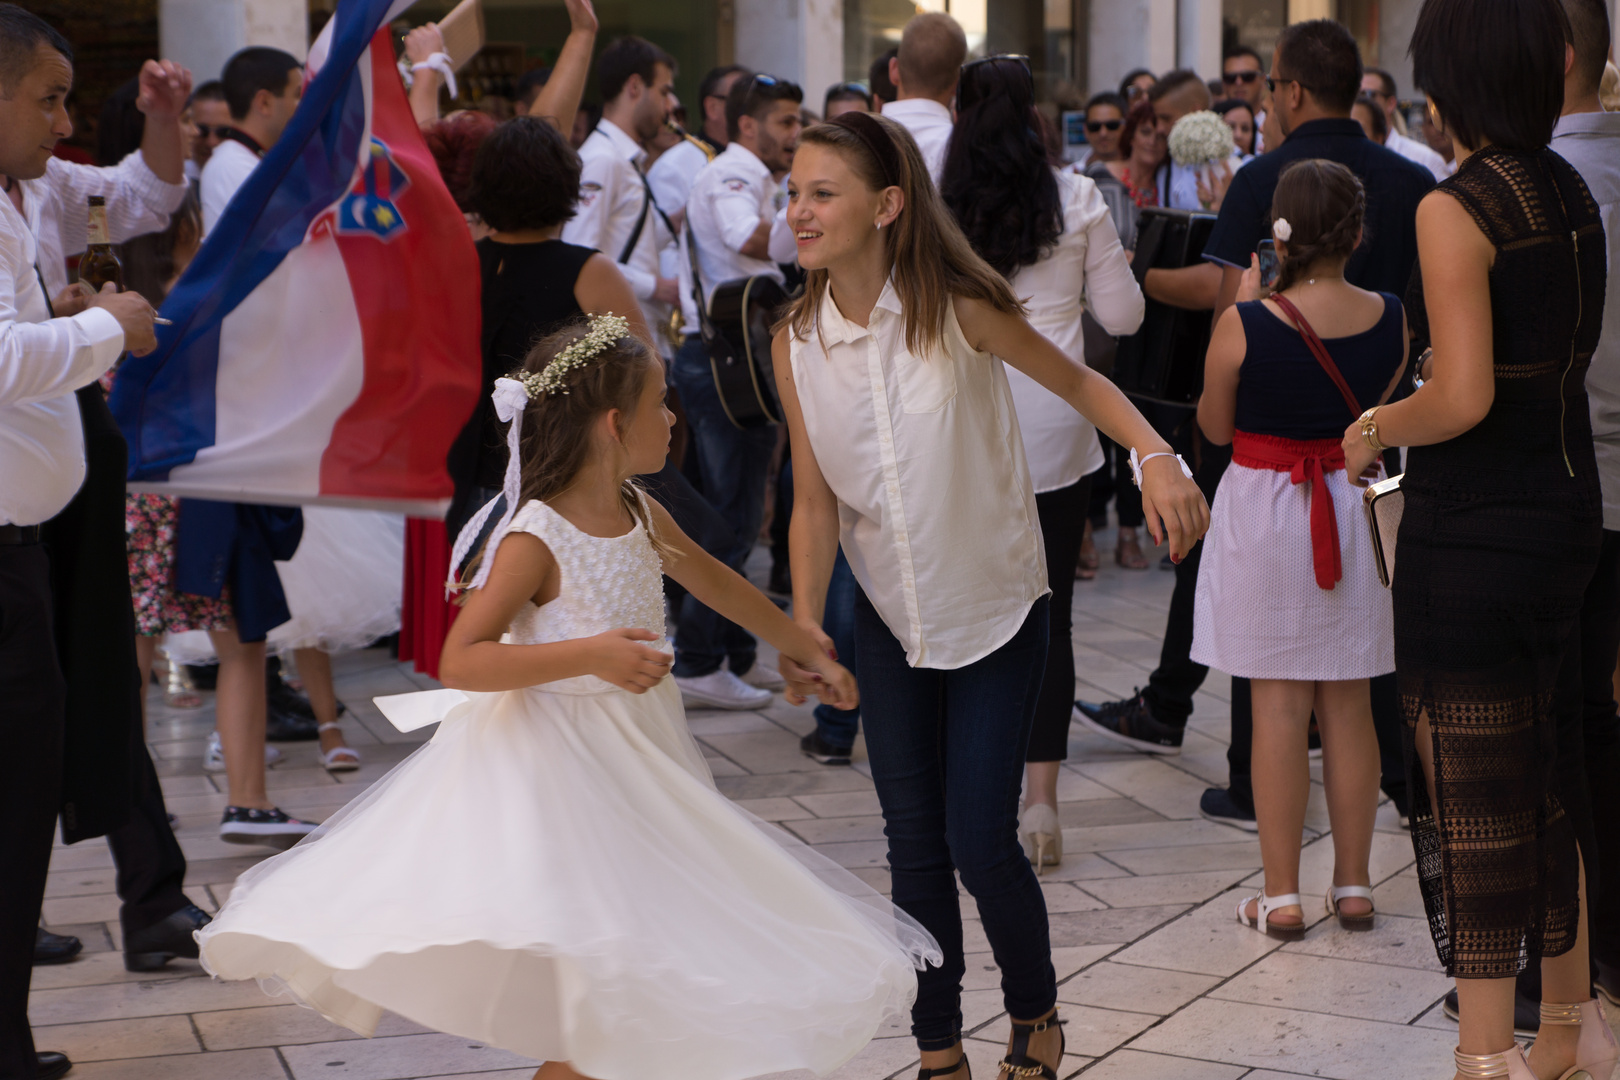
(1501, 529)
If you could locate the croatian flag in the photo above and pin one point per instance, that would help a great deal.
(325, 346)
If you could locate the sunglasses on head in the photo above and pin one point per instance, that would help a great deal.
(1095, 126)
(1240, 77)
(850, 88)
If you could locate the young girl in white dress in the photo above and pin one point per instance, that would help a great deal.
(555, 873)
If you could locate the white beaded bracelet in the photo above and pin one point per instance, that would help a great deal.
(441, 63)
(1137, 463)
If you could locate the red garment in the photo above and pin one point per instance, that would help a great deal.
(425, 615)
(1303, 459)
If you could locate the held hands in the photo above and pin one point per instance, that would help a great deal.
(165, 88)
(133, 313)
(823, 676)
(1360, 460)
(1173, 506)
(423, 42)
(621, 659)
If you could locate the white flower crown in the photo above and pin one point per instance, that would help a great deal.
(604, 331)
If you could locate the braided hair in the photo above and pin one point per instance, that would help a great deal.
(1325, 206)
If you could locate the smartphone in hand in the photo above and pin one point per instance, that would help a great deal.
(1270, 266)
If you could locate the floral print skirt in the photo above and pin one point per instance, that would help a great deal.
(150, 522)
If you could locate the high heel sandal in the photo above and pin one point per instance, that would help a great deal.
(1018, 1063)
(1268, 904)
(1509, 1064)
(334, 760)
(1336, 893)
(926, 1073)
(1041, 836)
(1597, 1052)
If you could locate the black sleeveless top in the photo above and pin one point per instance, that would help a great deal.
(528, 289)
(1283, 390)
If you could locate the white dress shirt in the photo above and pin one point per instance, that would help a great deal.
(936, 511)
(1060, 444)
(1412, 150)
(1178, 184)
(228, 168)
(612, 195)
(672, 174)
(730, 197)
(57, 209)
(42, 362)
(929, 123)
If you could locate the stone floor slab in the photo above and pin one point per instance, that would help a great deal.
(1111, 985)
(398, 1058)
(104, 1040)
(1136, 1065)
(1340, 987)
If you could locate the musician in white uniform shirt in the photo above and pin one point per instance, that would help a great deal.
(672, 174)
(735, 205)
(932, 48)
(43, 360)
(617, 214)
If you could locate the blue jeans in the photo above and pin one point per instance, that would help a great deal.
(947, 754)
(838, 620)
(732, 464)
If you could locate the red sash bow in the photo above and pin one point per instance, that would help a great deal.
(1303, 459)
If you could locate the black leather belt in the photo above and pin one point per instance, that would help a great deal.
(19, 534)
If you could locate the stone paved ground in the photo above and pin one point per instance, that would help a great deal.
(1156, 979)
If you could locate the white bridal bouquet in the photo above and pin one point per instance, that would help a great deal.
(1201, 138)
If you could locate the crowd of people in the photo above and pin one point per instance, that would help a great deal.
(944, 449)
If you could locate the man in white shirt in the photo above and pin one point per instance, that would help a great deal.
(43, 360)
(617, 214)
(1380, 86)
(672, 174)
(1192, 287)
(262, 90)
(1589, 139)
(932, 48)
(733, 210)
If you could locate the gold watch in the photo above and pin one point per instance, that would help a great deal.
(1369, 429)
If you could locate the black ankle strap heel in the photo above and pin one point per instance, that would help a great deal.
(941, 1074)
(1018, 1064)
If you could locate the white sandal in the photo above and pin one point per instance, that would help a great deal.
(334, 760)
(1268, 904)
(1336, 893)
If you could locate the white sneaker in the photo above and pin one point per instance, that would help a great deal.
(721, 690)
(764, 677)
(214, 759)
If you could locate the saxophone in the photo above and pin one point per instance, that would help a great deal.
(677, 321)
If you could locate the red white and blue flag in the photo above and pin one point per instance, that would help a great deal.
(325, 346)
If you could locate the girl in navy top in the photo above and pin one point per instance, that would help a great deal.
(1288, 593)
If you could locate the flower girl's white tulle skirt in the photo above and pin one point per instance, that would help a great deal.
(556, 875)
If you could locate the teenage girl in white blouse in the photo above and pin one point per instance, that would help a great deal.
(907, 450)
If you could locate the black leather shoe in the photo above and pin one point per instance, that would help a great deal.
(284, 698)
(52, 1065)
(151, 948)
(816, 748)
(281, 726)
(1130, 723)
(52, 948)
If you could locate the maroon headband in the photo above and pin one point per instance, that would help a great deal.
(869, 129)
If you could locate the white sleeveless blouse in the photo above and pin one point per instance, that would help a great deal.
(936, 510)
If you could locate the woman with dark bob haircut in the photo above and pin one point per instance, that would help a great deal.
(525, 182)
(1501, 532)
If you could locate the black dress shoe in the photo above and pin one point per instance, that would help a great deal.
(156, 945)
(284, 698)
(52, 948)
(281, 726)
(52, 1065)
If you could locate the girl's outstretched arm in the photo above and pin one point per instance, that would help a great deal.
(525, 570)
(719, 587)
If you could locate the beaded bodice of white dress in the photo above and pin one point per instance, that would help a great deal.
(608, 583)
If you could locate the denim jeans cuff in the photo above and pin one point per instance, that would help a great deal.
(930, 1042)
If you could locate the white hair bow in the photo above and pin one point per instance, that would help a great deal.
(511, 398)
(1281, 230)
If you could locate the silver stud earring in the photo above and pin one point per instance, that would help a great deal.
(880, 225)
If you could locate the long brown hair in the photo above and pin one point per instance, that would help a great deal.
(930, 260)
(556, 441)
(1324, 205)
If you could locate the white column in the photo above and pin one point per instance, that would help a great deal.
(203, 34)
(1129, 34)
(1199, 43)
(800, 40)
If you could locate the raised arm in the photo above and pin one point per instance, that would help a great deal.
(559, 99)
(420, 44)
(1174, 506)
(165, 87)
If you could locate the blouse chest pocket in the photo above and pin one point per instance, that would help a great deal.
(926, 385)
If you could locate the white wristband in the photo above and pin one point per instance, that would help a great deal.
(1137, 463)
(439, 62)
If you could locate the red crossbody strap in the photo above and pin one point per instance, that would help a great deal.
(1319, 351)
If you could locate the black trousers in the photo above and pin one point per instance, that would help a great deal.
(1173, 683)
(151, 866)
(32, 703)
(1063, 521)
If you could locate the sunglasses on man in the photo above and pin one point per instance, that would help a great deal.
(213, 131)
(1094, 126)
(1233, 78)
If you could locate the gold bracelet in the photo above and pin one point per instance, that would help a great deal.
(1369, 429)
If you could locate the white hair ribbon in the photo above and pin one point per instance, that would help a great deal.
(511, 398)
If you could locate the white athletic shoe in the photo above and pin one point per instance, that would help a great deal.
(721, 690)
(762, 676)
(214, 759)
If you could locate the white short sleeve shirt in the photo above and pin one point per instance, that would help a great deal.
(936, 511)
(930, 125)
(730, 197)
(228, 168)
